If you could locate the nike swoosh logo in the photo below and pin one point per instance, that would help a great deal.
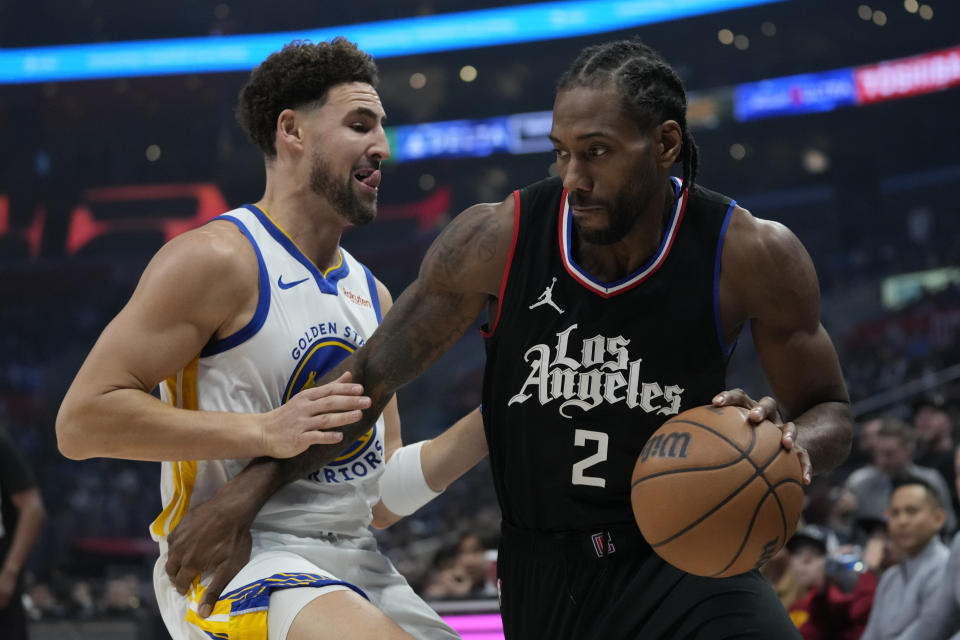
(287, 285)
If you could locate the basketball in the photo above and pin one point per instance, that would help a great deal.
(715, 495)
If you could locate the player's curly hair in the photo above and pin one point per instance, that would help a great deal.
(299, 74)
(652, 91)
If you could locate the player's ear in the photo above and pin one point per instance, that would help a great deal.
(289, 131)
(669, 140)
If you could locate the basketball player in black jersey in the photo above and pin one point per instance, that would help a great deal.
(615, 294)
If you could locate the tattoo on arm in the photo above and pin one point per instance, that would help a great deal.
(424, 322)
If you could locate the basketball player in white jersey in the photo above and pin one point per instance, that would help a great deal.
(235, 321)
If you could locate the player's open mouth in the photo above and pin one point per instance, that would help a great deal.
(369, 178)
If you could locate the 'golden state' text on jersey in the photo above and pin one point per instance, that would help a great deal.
(306, 322)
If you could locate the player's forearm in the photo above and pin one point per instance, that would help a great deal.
(395, 354)
(454, 452)
(132, 424)
(31, 515)
(826, 432)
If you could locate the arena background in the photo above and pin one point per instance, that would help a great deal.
(835, 117)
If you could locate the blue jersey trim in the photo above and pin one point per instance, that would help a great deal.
(374, 295)
(568, 238)
(256, 596)
(263, 302)
(724, 348)
(325, 284)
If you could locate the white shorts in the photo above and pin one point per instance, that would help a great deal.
(311, 566)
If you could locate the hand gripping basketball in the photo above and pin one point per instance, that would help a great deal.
(766, 409)
(714, 494)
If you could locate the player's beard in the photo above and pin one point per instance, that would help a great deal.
(622, 215)
(341, 195)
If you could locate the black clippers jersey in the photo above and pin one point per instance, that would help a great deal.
(580, 373)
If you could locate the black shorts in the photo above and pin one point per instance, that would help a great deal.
(13, 619)
(609, 585)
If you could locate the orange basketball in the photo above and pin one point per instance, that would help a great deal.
(715, 495)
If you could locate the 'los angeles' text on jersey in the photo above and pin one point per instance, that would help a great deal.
(601, 371)
(581, 372)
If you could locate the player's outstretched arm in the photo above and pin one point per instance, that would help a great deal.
(769, 279)
(423, 470)
(461, 273)
(194, 287)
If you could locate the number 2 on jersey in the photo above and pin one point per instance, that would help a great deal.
(580, 438)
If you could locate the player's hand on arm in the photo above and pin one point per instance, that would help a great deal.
(200, 285)
(462, 270)
(767, 278)
(441, 460)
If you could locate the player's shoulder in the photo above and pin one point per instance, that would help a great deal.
(216, 255)
(764, 248)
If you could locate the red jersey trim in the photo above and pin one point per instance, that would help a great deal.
(506, 271)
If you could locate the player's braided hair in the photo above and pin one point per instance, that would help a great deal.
(652, 91)
(299, 74)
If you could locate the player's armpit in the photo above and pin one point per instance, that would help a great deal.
(768, 278)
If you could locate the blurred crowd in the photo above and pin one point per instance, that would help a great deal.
(97, 559)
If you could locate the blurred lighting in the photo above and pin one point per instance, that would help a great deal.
(221, 11)
(738, 151)
(741, 42)
(879, 18)
(153, 153)
(926, 12)
(911, 5)
(552, 170)
(725, 36)
(418, 81)
(427, 182)
(768, 29)
(815, 161)
(468, 73)
(865, 12)
(381, 39)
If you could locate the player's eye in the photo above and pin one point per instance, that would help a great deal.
(560, 153)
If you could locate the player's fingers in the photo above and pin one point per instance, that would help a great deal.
(184, 579)
(734, 397)
(173, 561)
(334, 388)
(221, 577)
(311, 438)
(765, 409)
(805, 465)
(337, 403)
(789, 438)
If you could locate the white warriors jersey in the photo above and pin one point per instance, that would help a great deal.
(306, 322)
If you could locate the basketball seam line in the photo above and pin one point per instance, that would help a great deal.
(744, 455)
(753, 520)
(758, 472)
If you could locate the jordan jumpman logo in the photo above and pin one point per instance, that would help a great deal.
(547, 298)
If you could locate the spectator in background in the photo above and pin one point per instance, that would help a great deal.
(22, 517)
(824, 611)
(866, 438)
(893, 456)
(472, 556)
(933, 424)
(944, 620)
(461, 572)
(908, 593)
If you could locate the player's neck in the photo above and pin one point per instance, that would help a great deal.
(611, 262)
(309, 221)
